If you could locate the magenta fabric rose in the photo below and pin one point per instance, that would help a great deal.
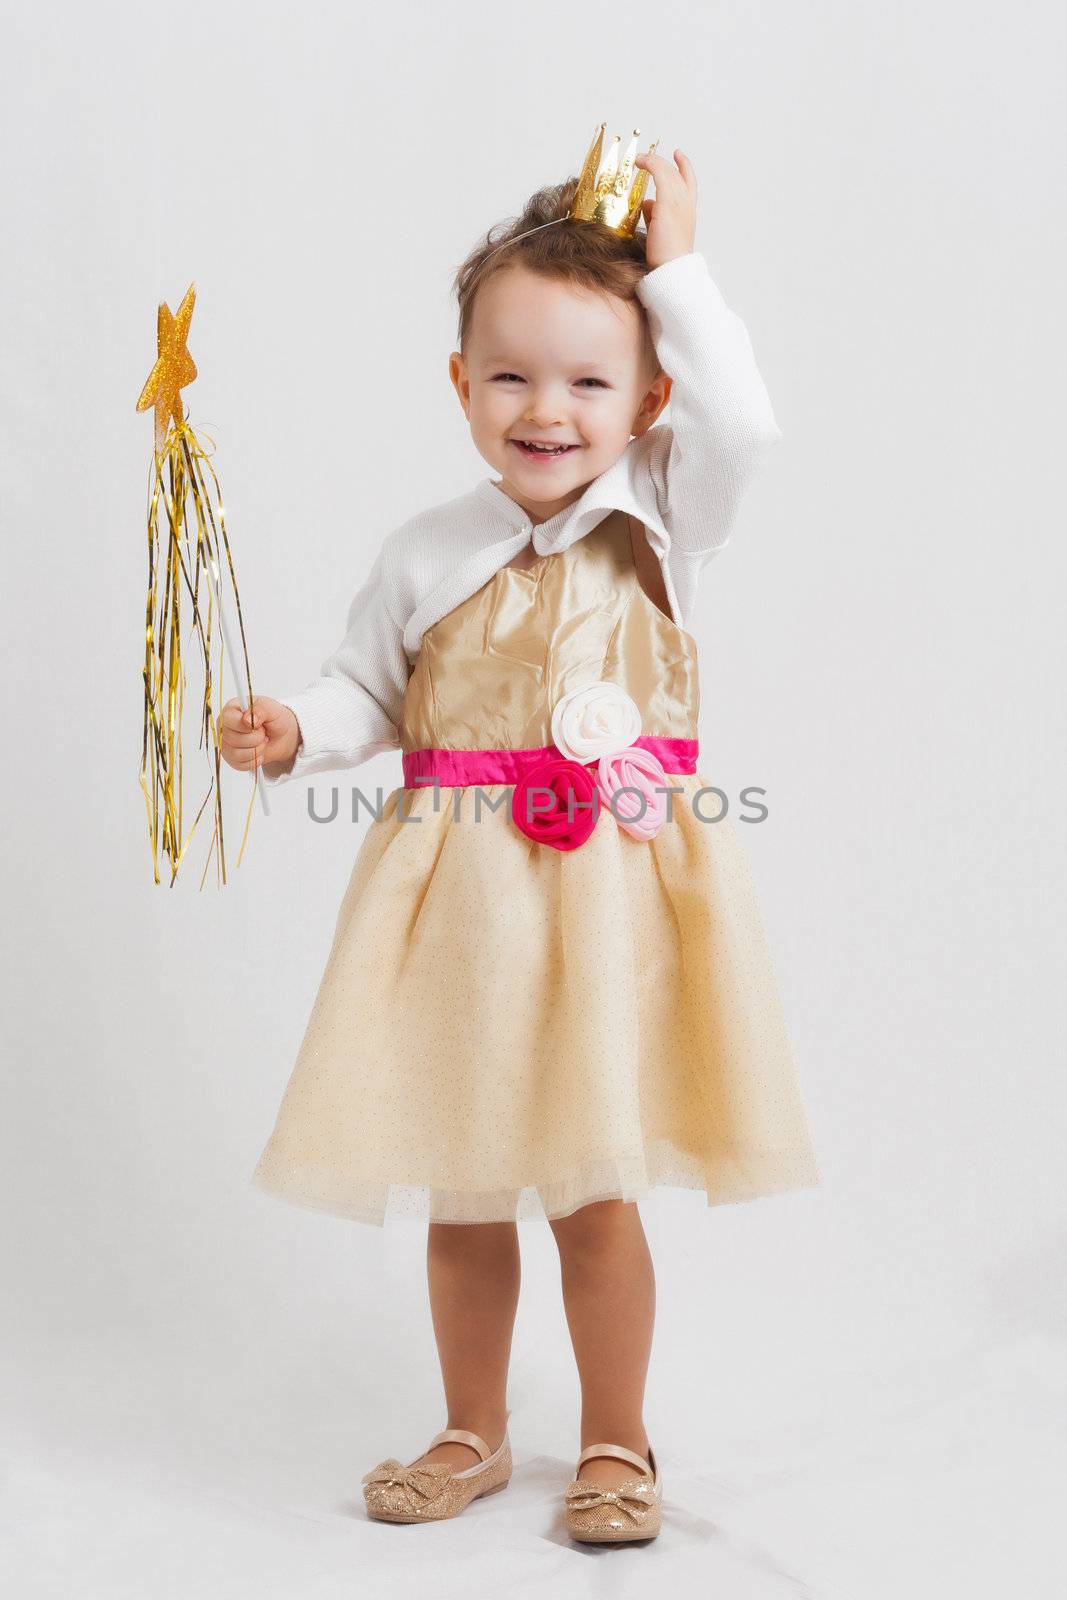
(546, 816)
(635, 768)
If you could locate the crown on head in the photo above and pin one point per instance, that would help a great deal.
(605, 192)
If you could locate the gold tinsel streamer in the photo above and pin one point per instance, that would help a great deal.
(188, 556)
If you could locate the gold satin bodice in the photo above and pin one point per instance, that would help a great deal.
(489, 673)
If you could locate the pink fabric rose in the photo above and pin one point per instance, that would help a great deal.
(566, 815)
(635, 768)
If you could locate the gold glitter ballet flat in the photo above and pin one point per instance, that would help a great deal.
(431, 1490)
(629, 1510)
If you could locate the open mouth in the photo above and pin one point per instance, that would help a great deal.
(534, 452)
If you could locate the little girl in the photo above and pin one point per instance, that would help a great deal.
(548, 989)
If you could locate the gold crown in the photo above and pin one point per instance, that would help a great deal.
(605, 191)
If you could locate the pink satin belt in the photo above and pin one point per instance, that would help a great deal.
(453, 768)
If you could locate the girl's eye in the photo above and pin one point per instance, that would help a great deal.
(513, 377)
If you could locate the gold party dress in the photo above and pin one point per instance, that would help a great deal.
(505, 1029)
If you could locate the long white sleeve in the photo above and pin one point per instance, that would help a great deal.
(721, 417)
(352, 710)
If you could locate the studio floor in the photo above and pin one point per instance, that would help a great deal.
(945, 1481)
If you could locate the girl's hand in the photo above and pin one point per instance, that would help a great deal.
(275, 737)
(671, 217)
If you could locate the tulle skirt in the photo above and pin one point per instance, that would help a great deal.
(506, 1030)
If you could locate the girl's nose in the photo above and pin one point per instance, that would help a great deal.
(543, 416)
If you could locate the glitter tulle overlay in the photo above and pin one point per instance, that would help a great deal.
(504, 1029)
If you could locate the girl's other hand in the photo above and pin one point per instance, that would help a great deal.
(275, 737)
(671, 217)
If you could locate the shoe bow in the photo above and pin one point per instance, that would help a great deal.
(631, 1498)
(425, 1481)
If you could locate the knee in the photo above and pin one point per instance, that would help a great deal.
(592, 1230)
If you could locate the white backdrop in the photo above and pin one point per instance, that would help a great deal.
(855, 1391)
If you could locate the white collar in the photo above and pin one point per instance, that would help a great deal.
(624, 486)
(627, 485)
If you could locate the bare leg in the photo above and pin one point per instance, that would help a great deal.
(473, 1270)
(609, 1293)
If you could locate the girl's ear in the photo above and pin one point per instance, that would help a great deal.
(457, 372)
(655, 400)
(659, 392)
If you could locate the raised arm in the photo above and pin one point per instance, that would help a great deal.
(352, 710)
(721, 424)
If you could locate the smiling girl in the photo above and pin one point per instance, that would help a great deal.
(548, 990)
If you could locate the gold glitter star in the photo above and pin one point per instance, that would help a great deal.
(174, 366)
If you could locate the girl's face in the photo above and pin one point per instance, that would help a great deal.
(560, 365)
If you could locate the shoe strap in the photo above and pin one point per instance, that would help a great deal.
(615, 1450)
(461, 1436)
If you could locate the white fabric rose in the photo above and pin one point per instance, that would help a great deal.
(596, 719)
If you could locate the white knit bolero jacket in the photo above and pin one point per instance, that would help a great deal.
(683, 480)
